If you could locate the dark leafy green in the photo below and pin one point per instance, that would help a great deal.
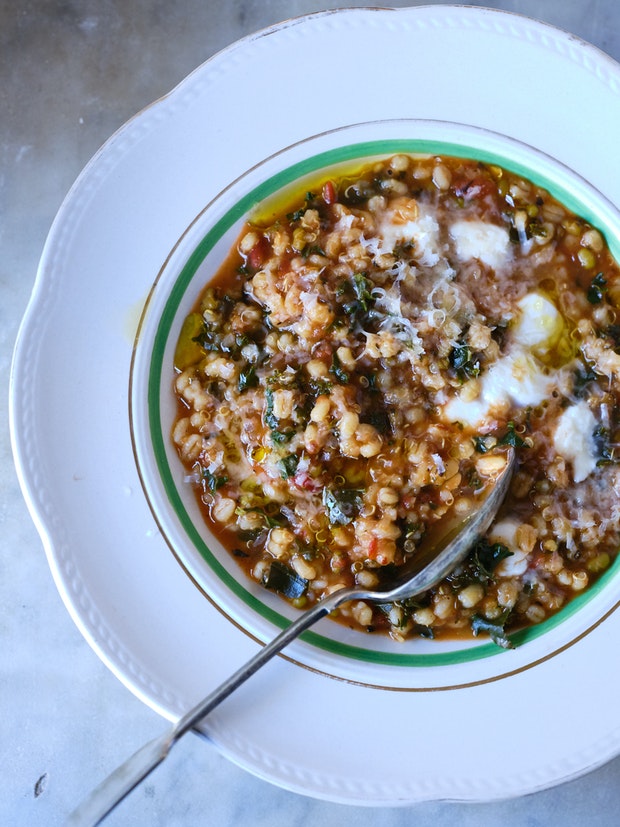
(338, 371)
(583, 377)
(606, 445)
(297, 214)
(480, 565)
(379, 418)
(597, 289)
(494, 628)
(283, 580)
(358, 298)
(271, 420)
(485, 558)
(342, 504)
(288, 465)
(612, 332)
(212, 481)
(511, 437)
(464, 362)
(312, 250)
(247, 378)
(279, 435)
(482, 444)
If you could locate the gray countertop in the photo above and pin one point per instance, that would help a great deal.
(71, 73)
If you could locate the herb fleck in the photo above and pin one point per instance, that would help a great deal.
(597, 289)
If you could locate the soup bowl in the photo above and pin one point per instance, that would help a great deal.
(330, 648)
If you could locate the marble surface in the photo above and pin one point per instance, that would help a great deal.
(71, 72)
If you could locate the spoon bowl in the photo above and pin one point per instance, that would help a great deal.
(438, 554)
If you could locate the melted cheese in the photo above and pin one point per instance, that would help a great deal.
(539, 325)
(480, 240)
(574, 439)
(517, 377)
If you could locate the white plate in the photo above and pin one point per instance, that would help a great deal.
(135, 605)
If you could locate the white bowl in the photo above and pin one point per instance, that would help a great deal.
(330, 647)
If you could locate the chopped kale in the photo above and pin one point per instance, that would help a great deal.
(210, 339)
(247, 378)
(612, 332)
(473, 479)
(494, 628)
(280, 437)
(312, 250)
(485, 557)
(371, 378)
(272, 518)
(583, 377)
(358, 192)
(288, 465)
(482, 444)
(282, 579)
(358, 298)
(342, 504)
(597, 289)
(338, 371)
(412, 533)
(464, 362)
(250, 535)
(278, 434)
(362, 288)
(379, 418)
(213, 482)
(480, 565)
(297, 214)
(511, 437)
(536, 229)
(606, 445)
(271, 420)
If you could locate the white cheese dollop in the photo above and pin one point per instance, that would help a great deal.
(505, 532)
(539, 324)
(517, 376)
(489, 243)
(574, 439)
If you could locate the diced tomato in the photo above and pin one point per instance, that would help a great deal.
(323, 350)
(536, 559)
(473, 188)
(373, 546)
(259, 253)
(304, 481)
(330, 196)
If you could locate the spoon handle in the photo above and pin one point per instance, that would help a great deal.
(122, 781)
(113, 789)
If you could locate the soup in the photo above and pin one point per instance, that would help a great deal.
(358, 368)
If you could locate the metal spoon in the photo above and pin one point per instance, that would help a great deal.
(430, 563)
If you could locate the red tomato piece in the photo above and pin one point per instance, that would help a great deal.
(259, 253)
(330, 196)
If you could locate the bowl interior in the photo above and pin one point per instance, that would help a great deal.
(196, 257)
